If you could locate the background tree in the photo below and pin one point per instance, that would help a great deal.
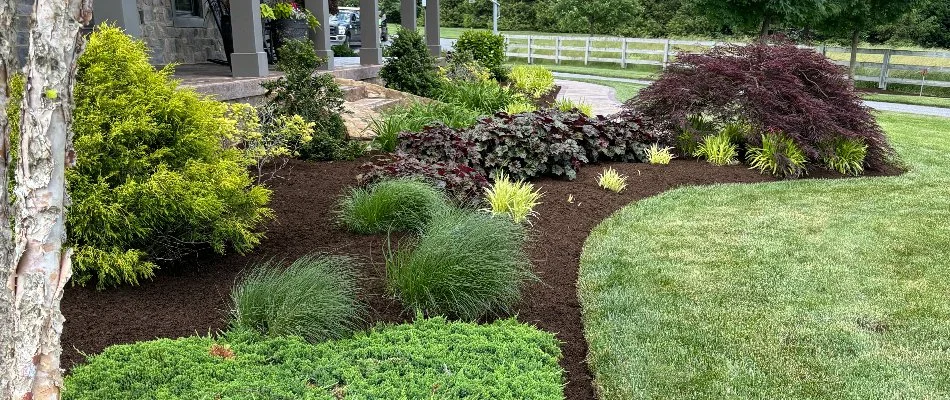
(596, 15)
(34, 265)
(764, 14)
(852, 18)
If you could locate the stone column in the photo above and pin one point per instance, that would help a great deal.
(432, 28)
(248, 59)
(408, 13)
(122, 13)
(370, 53)
(321, 35)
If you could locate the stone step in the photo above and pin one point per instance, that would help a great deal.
(377, 104)
(353, 93)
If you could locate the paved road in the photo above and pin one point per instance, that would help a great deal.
(877, 105)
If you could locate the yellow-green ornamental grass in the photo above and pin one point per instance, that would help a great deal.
(659, 156)
(611, 180)
(514, 198)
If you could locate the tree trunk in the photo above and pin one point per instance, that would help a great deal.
(7, 70)
(853, 66)
(766, 26)
(40, 264)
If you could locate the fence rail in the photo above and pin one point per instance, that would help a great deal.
(660, 52)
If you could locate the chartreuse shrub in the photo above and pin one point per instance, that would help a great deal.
(465, 265)
(516, 199)
(612, 180)
(566, 104)
(391, 205)
(487, 49)
(532, 80)
(779, 155)
(152, 178)
(718, 149)
(410, 68)
(314, 298)
(520, 107)
(660, 155)
(427, 359)
(462, 67)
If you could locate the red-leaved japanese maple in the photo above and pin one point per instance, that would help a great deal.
(773, 87)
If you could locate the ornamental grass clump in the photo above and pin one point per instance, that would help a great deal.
(517, 199)
(392, 205)
(718, 150)
(567, 105)
(770, 86)
(314, 298)
(611, 180)
(660, 155)
(465, 265)
(846, 155)
(779, 155)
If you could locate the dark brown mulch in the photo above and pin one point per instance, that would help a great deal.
(193, 298)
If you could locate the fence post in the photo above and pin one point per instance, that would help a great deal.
(557, 50)
(586, 50)
(824, 50)
(882, 84)
(530, 50)
(623, 54)
(666, 53)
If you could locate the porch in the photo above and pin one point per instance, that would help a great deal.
(162, 22)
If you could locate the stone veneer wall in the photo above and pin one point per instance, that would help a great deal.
(169, 44)
(172, 44)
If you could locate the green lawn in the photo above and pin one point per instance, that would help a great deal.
(604, 71)
(906, 99)
(811, 289)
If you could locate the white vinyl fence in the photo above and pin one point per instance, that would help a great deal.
(882, 66)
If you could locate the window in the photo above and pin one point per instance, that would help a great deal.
(188, 8)
(187, 14)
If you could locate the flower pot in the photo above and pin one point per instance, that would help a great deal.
(291, 29)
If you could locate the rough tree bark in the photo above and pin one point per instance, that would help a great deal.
(38, 266)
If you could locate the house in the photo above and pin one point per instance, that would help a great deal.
(183, 31)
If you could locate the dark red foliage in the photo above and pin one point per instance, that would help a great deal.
(776, 87)
(460, 181)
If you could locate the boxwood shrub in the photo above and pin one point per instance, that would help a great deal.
(426, 359)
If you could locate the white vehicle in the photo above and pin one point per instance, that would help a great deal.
(345, 27)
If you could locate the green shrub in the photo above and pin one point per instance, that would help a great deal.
(779, 155)
(314, 96)
(846, 155)
(152, 178)
(462, 67)
(342, 50)
(532, 80)
(465, 265)
(414, 118)
(484, 97)
(487, 49)
(697, 127)
(314, 298)
(410, 68)
(514, 199)
(392, 205)
(718, 150)
(427, 359)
